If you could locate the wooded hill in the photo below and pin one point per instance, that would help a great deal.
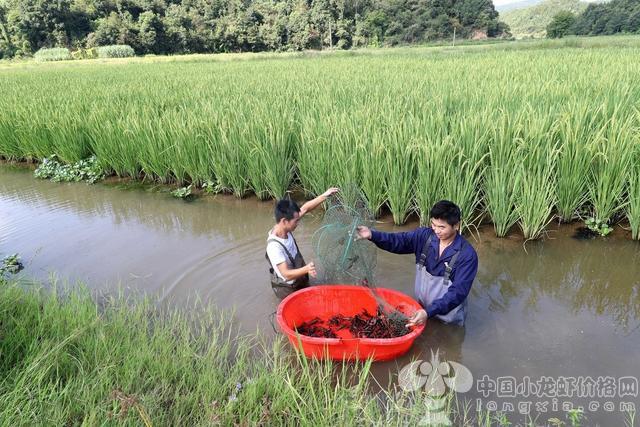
(532, 21)
(199, 26)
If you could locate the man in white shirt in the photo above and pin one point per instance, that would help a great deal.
(289, 272)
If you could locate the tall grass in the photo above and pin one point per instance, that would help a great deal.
(70, 361)
(407, 129)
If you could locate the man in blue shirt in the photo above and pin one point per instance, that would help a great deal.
(446, 263)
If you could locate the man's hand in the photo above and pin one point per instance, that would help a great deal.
(330, 192)
(311, 270)
(417, 319)
(363, 233)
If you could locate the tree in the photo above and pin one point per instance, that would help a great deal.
(183, 26)
(150, 33)
(561, 25)
(6, 47)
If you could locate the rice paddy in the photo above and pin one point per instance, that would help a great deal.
(516, 137)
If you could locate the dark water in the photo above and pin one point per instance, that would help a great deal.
(562, 309)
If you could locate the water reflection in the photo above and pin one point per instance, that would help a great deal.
(600, 276)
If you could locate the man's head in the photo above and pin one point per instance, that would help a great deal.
(445, 219)
(287, 214)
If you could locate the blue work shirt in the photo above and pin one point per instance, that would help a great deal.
(462, 275)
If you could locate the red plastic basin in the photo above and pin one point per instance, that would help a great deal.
(325, 301)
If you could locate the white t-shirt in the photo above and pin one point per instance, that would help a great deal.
(276, 252)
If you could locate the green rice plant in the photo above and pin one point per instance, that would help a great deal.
(326, 159)
(371, 156)
(501, 182)
(52, 54)
(613, 154)
(633, 194)
(271, 160)
(432, 158)
(536, 192)
(10, 148)
(574, 162)
(468, 153)
(230, 157)
(432, 165)
(34, 136)
(399, 171)
(333, 121)
(111, 142)
(155, 154)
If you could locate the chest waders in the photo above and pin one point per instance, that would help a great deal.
(429, 288)
(280, 286)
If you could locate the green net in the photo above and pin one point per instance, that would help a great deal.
(340, 258)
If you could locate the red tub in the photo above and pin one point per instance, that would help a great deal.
(325, 301)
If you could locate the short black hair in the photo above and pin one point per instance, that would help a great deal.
(286, 208)
(447, 211)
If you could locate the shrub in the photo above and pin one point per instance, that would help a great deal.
(53, 54)
(91, 53)
(115, 51)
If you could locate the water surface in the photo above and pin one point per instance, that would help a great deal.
(560, 308)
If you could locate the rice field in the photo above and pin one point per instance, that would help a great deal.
(517, 137)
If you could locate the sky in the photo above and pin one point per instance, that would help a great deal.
(503, 2)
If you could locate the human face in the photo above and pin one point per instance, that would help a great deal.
(291, 224)
(443, 230)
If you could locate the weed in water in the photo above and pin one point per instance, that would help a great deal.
(183, 193)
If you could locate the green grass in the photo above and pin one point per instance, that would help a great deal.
(408, 126)
(70, 361)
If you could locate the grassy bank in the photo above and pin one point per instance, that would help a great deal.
(486, 125)
(66, 361)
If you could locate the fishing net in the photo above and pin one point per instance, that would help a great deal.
(339, 257)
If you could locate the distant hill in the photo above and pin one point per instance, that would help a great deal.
(517, 5)
(532, 21)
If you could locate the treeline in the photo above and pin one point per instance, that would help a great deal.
(616, 16)
(199, 26)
